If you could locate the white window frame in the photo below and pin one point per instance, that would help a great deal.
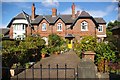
(44, 25)
(85, 25)
(19, 27)
(59, 27)
(100, 28)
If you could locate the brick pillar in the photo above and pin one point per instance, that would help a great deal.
(11, 32)
(89, 55)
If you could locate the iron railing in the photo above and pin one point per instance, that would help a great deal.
(47, 73)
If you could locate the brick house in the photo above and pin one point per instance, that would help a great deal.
(76, 24)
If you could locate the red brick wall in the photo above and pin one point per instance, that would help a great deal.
(44, 33)
(28, 30)
(104, 30)
(60, 33)
(77, 28)
(76, 31)
(11, 32)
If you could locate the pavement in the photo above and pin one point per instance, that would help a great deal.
(69, 58)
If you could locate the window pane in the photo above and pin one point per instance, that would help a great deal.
(59, 26)
(23, 27)
(100, 28)
(44, 27)
(84, 26)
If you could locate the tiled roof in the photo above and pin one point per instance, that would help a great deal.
(100, 20)
(69, 36)
(4, 30)
(84, 14)
(50, 19)
(66, 18)
(20, 16)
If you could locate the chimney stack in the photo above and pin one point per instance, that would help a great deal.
(33, 11)
(54, 12)
(78, 13)
(73, 10)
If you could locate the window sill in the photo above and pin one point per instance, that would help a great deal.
(59, 30)
(44, 30)
(100, 31)
(84, 30)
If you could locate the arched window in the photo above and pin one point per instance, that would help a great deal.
(44, 27)
(84, 26)
(59, 27)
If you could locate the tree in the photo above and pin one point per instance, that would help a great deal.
(88, 43)
(54, 41)
(20, 51)
(30, 47)
(113, 24)
(104, 54)
(9, 48)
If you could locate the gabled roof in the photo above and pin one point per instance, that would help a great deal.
(67, 19)
(100, 20)
(84, 14)
(52, 20)
(19, 16)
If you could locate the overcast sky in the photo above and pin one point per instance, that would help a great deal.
(107, 9)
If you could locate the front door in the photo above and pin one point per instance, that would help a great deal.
(70, 44)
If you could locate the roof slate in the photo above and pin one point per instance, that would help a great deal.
(19, 16)
(4, 30)
(100, 20)
(50, 19)
(66, 18)
(69, 36)
(84, 13)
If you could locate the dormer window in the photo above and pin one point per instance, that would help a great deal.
(44, 26)
(59, 27)
(84, 26)
(100, 28)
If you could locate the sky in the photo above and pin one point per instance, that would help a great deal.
(11, 8)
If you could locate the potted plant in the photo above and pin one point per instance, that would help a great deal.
(44, 52)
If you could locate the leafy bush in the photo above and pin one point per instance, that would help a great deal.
(54, 42)
(88, 43)
(21, 51)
